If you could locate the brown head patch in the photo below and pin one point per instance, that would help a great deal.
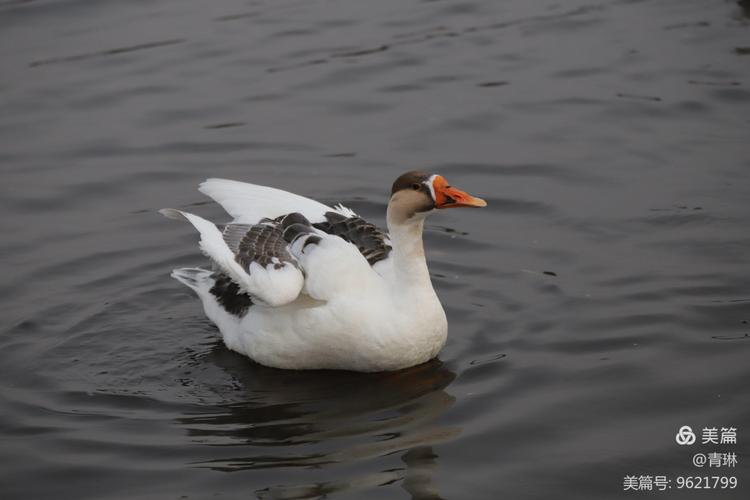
(411, 180)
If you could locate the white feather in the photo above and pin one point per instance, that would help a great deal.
(345, 211)
(333, 266)
(249, 203)
(276, 286)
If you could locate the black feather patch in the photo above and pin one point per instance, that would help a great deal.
(228, 294)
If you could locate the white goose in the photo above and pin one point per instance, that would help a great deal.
(300, 285)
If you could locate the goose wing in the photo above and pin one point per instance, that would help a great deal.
(255, 257)
(250, 203)
(272, 262)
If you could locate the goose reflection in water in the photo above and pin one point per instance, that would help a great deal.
(323, 419)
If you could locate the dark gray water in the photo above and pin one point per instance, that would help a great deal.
(598, 304)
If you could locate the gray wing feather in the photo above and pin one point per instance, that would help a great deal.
(268, 241)
(233, 235)
(261, 243)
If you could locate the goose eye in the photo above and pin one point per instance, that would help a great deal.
(416, 187)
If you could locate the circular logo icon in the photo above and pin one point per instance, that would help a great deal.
(685, 436)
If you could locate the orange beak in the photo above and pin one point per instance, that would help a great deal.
(449, 197)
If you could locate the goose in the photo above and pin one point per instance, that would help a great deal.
(296, 284)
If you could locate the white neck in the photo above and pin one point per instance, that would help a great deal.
(409, 264)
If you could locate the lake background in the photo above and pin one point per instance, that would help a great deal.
(600, 302)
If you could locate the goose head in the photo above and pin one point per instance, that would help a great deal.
(416, 194)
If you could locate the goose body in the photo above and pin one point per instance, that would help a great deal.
(297, 284)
